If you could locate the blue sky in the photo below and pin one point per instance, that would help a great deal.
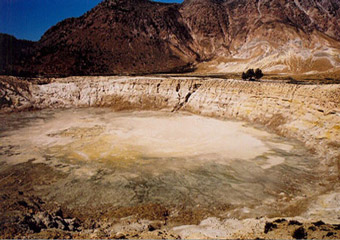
(29, 19)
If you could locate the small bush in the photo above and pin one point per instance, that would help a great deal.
(251, 75)
(258, 73)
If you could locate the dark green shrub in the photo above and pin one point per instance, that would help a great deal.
(251, 75)
(258, 73)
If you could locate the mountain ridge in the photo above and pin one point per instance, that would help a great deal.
(210, 36)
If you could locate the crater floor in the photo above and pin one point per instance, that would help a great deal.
(177, 168)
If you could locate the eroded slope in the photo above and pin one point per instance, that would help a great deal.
(141, 36)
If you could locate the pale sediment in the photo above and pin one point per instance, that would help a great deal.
(308, 113)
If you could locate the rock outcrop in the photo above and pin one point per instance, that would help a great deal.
(141, 36)
(309, 113)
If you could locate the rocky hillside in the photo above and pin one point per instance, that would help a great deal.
(140, 36)
(117, 37)
(277, 35)
(12, 51)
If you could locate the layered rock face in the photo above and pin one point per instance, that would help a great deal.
(140, 36)
(278, 36)
(309, 113)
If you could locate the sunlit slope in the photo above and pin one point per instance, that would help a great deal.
(289, 51)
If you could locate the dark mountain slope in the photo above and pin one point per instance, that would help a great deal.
(117, 37)
(12, 52)
(140, 36)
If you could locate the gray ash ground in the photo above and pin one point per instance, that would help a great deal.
(47, 191)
